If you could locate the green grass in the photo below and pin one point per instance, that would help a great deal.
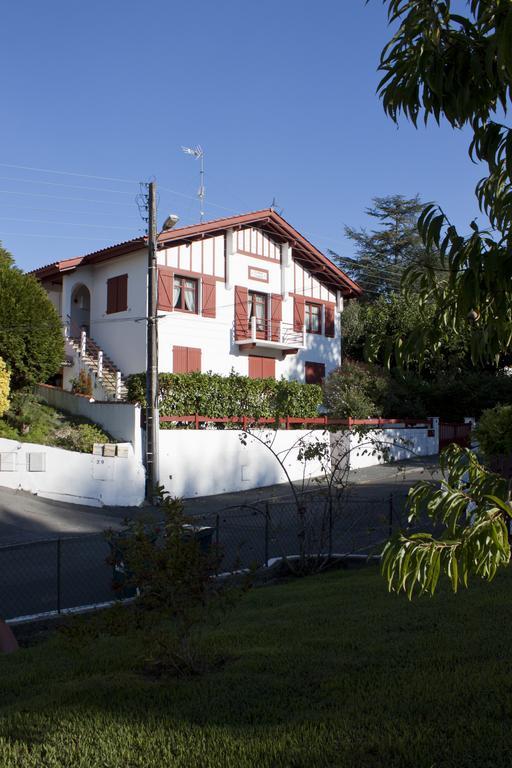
(48, 426)
(326, 671)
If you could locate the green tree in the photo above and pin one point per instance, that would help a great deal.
(458, 68)
(384, 253)
(371, 332)
(31, 341)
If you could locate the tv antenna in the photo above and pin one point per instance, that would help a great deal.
(198, 153)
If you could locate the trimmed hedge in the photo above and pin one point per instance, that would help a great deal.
(209, 394)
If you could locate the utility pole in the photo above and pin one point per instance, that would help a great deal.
(152, 414)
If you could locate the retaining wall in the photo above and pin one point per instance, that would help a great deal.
(77, 478)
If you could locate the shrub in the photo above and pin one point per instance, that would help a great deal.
(209, 394)
(79, 437)
(5, 378)
(82, 385)
(494, 431)
(354, 391)
(175, 580)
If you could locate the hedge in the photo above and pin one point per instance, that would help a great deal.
(209, 394)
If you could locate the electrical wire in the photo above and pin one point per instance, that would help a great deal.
(67, 186)
(67, 173)
(68, 199)
(63, 223)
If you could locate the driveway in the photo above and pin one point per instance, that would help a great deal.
(25, 517)
(53, 556)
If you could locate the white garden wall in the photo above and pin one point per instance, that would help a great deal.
(121, 420)
(209, 461)
(400, 442)
(76, 478)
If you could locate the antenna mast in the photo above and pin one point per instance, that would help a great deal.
(198, 153)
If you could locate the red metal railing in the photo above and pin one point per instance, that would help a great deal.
(291, 421)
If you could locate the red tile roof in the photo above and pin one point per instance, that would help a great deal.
(305, 251)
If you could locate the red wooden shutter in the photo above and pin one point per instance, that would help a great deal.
(186, 359)
(241, 327)
(165, 289)
(209, 296)
(117, 294)
(179, 359)
(262, 367)
(298, 314)
(329, 319)
(111, 295)
(193, 360)
(268, 368)
(122, 293)
(276, 315)
(315, 373)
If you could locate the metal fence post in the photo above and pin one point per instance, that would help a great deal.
(217, 532)
(58, 575)
(330, 527)
(267, 525)
(390, 515)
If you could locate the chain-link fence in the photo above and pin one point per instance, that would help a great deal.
(71, 572)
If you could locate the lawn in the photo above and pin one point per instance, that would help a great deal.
(325, 671)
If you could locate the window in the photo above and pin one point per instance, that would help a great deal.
(117, 294)
(186, 359)
(315, 373)
(258, 309)
(313, 319)
(185, 294)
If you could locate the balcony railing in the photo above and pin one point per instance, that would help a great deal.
(274, 331)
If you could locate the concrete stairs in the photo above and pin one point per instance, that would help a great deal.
(100, 366)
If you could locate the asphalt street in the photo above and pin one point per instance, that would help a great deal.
(53, 556)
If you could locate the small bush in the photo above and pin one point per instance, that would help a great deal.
(354, 390)
(175, 578)
(494, 431)
(79, 437)
(5, 379)
(82, 385)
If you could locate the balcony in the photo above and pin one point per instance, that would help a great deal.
(275, 338)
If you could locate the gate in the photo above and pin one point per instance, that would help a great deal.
(454, 433)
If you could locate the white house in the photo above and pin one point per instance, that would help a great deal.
(247, 292)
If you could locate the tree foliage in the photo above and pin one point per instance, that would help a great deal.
(384, 253)
(447, 66)
(371, 331)
(31, 341)
(5, 378)
(470, 509)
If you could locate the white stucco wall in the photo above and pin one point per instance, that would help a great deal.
(206, 462)
(400, 442)
(121, 420)
(76, 478)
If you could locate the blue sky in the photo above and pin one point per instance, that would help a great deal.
(281, 95)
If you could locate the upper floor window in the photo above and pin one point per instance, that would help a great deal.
(313, 318)
(258, 310)
(185, 294)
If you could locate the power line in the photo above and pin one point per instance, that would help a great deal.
(62, 223)
(68, 199)
(67, 186)
(68, 173)
(62, 237)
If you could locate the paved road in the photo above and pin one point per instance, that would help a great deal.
(40, 573)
